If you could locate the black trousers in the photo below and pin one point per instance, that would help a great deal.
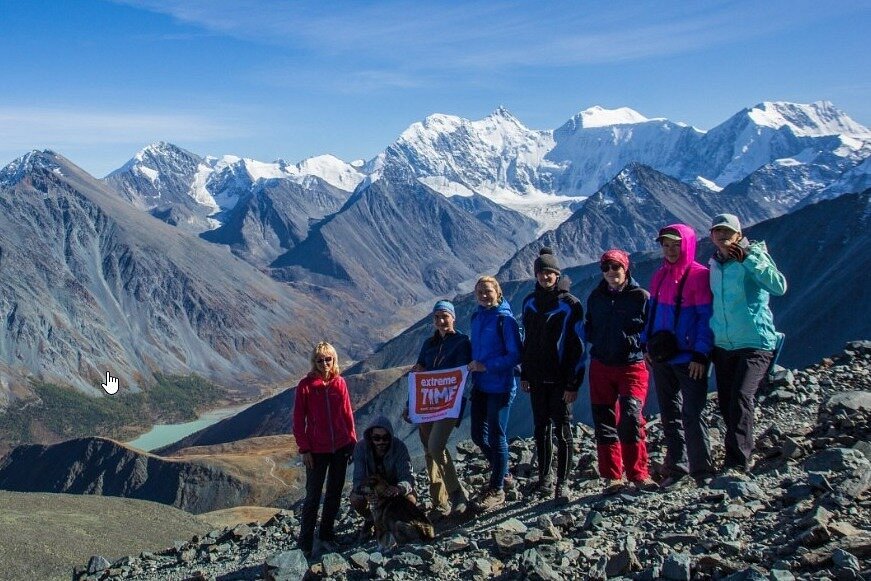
(549, 411)
(739, 374)
(681, 402)
(330, 467)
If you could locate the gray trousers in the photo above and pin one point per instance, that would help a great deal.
(739, 374)
(681, 402)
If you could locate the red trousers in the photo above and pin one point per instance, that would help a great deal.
(617, 395)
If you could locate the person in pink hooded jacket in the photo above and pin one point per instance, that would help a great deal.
(678, 342)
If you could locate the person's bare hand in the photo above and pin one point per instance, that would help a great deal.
(418, 368)
(570, 396)
(308, 460)
(524, 385)
(696, 370)
(477, 366)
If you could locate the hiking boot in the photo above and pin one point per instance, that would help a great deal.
(459, 502)
(508, 483)
(560, 494)
(492, 499)
(673, 481)
(542, 487)
(703, 479)
(646, 485)
(437, 513)
(367, 532)
(612, 487)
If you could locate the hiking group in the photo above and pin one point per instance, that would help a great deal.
(693, 316)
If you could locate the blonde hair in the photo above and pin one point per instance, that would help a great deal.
(492, 280)
(324, 348)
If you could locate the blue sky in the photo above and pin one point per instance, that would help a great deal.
(98, 80)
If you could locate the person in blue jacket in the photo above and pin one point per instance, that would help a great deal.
(496, 346)
(743, 276)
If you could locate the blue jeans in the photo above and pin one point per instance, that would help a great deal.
(489, 426)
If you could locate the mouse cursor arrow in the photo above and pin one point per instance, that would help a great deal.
(111, 385)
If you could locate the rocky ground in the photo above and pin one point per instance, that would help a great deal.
(802, 513)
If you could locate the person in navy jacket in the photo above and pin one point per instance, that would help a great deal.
(552, 368)
(616, 314)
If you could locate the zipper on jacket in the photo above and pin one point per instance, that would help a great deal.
(330, 417)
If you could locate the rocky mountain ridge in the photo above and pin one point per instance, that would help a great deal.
(802, 512)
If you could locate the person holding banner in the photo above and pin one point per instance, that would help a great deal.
(323, 426)
(444, 350)
(496, 346)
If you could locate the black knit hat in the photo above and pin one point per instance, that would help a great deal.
(546, 261)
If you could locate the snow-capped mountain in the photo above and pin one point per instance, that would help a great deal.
(497, 157)
(167, 180)
(626, 213)
(545, 173)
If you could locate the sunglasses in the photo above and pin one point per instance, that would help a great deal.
(380, 438)
(613, 266)
(324, 360)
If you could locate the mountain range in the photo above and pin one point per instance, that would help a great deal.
(230, 267)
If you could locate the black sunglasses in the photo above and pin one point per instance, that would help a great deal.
(324, 360)
(380, 438)
(610, 266)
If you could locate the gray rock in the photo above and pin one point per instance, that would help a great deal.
(97, 564)
(599, 570)
(512, 525)
(845, 560)
(849, 401)
(864, 446)
(361, 559)
(507, 542)
(677, 567)
(746, 490)
(836, 459)
(285, 566)
(536, 568)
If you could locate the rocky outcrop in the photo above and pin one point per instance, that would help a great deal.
(802, 512)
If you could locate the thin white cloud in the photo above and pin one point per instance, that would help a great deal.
(27, 127)
(475, 36)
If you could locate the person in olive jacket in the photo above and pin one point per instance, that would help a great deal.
(616, 314)
(743, 277)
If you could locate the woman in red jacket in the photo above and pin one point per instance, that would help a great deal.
(323, 425)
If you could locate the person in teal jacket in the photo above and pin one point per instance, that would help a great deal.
(743, 277)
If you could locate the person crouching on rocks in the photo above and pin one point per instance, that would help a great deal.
(552, 368)
(743, 276)
(678, 343)
(323, 426)
(496, 349)
(379, 453)
(445, 349)
(616, 314)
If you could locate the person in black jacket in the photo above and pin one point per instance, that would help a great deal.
(552, 367)
(445, 349)
(616, 314)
